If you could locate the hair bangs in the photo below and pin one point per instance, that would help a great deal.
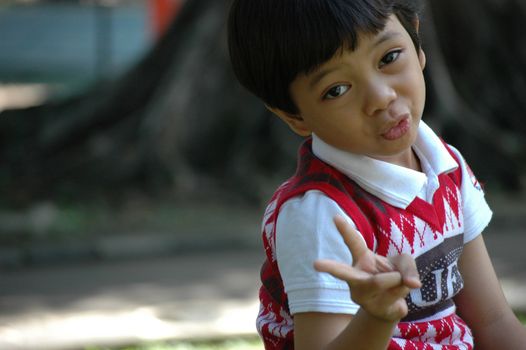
(315, 30)
(271, 42)
(324, 27)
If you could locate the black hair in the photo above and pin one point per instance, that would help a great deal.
(272, 41)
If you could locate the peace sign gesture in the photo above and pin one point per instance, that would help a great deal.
(378, 284)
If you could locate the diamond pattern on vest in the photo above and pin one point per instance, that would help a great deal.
(388, 230)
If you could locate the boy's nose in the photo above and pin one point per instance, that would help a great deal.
(378, 96)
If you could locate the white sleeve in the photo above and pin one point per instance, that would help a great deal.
(477, 213)
(306, 232)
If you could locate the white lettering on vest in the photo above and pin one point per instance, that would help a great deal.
(433, 285)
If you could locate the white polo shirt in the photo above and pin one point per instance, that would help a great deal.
(305, 230)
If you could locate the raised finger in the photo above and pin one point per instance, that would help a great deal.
(342, 271)
(351, 237)
(355, 277)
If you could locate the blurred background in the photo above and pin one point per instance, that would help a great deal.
(134, 169)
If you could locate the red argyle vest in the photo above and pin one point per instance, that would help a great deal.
(431, 232)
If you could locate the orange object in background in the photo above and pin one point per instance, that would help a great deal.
(162, 12)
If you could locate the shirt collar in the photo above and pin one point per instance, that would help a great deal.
(394, 184)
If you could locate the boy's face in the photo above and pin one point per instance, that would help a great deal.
(368, 101)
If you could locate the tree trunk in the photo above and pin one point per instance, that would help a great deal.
(179, 123)
(477, 82)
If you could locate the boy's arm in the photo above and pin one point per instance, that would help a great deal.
(316, 331)
(481, 303)
(378, 285)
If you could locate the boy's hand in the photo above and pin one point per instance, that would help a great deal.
(378, 284)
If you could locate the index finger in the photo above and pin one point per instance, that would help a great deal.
(353, 240)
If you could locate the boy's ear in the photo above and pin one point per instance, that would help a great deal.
(422, 58)
(294, 121)
(421, 53)
(416, 23)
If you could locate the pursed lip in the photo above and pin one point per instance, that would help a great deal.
(398, 130)
(395, 123)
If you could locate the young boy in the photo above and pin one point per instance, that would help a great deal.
(375, 242)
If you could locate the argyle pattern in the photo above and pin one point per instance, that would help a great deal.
(448, 333)
(425, 231)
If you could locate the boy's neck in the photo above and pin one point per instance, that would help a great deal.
(416, 165)
(408, 160)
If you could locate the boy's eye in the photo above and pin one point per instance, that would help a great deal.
(390, 57)
(336, 91)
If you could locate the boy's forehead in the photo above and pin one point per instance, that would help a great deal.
(393, 28)
(367, 41)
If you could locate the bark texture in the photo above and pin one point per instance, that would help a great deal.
(179, 123)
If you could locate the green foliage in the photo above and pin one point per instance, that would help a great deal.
(522, 317)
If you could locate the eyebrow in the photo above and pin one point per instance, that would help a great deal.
(320, 75)
(385, 36)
